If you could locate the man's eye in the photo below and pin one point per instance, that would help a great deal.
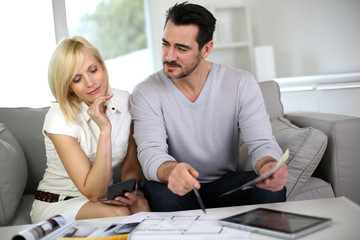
(165, 44)
(181, 49)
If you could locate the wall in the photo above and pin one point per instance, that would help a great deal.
(320, 39)
(308, 37)
(329, 93)
(156, 11)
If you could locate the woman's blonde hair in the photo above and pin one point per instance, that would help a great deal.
(65, 62)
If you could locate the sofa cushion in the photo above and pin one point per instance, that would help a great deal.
(271, 94)
(314, 188)
(306, 148)
(13, 175)
(22, 214)
(26, 125)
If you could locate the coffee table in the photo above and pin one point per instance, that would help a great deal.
(344, 213)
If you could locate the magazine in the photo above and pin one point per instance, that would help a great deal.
(267, 174)
(64, 227)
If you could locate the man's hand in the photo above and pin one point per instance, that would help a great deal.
(275, 182)
(180, 177)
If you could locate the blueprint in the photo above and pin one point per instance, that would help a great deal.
(184, 225)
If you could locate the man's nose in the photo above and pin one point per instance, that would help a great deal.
(171, 55)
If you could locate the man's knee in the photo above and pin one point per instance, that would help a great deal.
(266, 196)
(280, 196)
(156, 195)
(155, 190)
(161, 199)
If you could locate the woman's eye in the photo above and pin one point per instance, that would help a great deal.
(92, 70)
(76, 79)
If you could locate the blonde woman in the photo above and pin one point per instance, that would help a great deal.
(88, 131)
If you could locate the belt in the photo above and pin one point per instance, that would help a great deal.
(48, 197)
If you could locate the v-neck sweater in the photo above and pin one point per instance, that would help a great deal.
(205, 133)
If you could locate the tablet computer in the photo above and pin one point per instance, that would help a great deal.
(118, 189)
(276, 223)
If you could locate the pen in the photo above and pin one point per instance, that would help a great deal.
(199, 199)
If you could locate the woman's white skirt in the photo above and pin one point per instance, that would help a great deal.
(44, 210)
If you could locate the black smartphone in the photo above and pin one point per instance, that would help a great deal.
(119, 189)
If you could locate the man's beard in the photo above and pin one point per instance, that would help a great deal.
(184, 73)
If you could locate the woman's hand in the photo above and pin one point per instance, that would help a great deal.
(97, 111)
(129, 199)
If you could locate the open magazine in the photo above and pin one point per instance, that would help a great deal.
(64, 227)
(269, 173)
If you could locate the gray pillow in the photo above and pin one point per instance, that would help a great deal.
(306, 147)
(13, 175)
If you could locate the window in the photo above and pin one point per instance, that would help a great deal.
(26, 43)
(117, 29)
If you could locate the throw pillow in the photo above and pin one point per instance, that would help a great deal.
(13, 175)
(306, 147)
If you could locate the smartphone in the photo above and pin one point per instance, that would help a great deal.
(119, 189)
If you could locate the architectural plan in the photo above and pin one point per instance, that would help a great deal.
(184, 225)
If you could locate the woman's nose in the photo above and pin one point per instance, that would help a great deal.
(89, 81)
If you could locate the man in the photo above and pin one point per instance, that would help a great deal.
(189, 119)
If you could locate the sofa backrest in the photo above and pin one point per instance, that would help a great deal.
(26, 125)
(271, 94)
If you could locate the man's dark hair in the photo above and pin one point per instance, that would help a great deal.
(187, 14)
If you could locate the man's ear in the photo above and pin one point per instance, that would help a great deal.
(205, 51)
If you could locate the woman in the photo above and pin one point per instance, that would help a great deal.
(88, 132)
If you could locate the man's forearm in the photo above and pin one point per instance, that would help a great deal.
(262, 162)
(164, 170)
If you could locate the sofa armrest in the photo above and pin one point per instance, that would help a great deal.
(340, 165)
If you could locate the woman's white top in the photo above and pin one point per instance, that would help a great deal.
(85, 130)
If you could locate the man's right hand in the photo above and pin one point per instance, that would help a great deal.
(180, 177)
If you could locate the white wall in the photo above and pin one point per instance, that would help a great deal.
(312, 38)
(156, 20)
(308, 37)
(330, 93)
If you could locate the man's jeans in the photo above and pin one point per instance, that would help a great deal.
(161, 199)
